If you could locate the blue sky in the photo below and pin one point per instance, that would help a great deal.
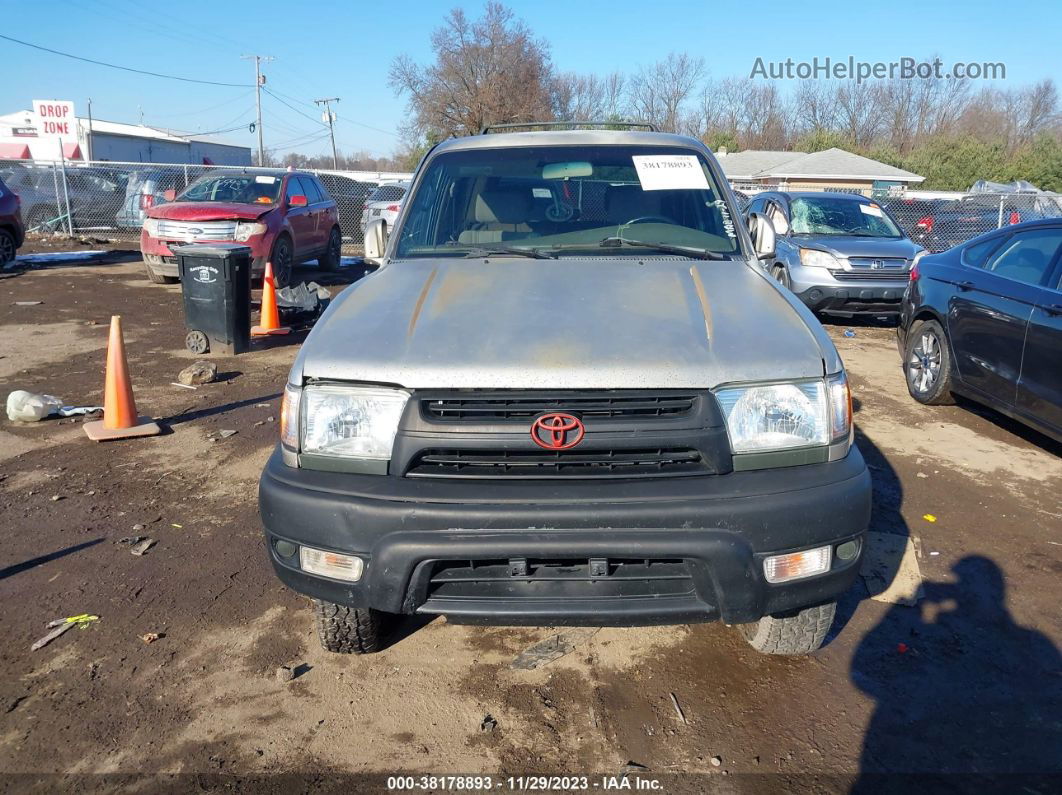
(331, 48)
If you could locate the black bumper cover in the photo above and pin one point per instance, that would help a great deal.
(853, 300)
(721, 526)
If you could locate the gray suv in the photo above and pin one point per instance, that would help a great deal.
(584, 402)
(840, 253)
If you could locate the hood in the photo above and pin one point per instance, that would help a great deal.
(844, 246)
(209, 211)
(565, 324)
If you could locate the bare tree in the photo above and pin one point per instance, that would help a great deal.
(485, 71)
(814, 107)
(859, 111)
(659, 92)
(577, 97)
(615, 84)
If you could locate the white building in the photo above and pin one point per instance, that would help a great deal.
(117, 142)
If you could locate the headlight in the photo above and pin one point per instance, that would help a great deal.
(351, 422)
(775, 416)
(768, 417)
(245, 230)
(151, 226)
(813, 258)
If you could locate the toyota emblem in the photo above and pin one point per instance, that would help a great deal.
(557, 431)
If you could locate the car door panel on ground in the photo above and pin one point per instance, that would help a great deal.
(1040, 384)
(996, 292)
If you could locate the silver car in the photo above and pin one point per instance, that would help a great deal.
(569, 394)
(383, 203)
(840, 253)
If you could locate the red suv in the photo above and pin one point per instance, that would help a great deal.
(285, 218)
(12, 232)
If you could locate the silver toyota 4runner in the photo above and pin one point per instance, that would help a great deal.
(569, 395)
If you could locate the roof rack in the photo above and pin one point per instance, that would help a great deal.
(517, 125)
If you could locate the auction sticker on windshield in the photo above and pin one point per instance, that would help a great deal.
(670, 172)
(265, 180)
(870, 209)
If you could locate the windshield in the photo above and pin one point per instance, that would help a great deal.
(836, 216)
(239, 188)
(566, 198)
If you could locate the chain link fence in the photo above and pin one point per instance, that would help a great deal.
(110, 200)
(940, 220)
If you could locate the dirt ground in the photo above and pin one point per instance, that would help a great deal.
(966, 683)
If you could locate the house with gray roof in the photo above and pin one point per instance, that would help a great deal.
(830, 169)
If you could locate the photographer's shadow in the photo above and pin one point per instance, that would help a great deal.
(963, 693)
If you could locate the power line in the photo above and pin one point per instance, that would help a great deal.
(290, 107)
(123, 68)
(274, 93)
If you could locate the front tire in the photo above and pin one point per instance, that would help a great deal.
(781, 275)
(7, 247)
(157, 278)
(348, 630)
(283, 259)
(330, 260)
(800, 633)
(927, 364)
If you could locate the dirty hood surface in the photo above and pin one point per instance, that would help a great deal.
(568, 323)
(209, 211)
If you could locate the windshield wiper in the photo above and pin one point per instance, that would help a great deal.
(667, 248)
(486, 251)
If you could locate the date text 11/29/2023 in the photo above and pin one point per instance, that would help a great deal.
(522, 783)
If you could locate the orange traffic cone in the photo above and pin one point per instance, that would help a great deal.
(119, 409)
(269, 323)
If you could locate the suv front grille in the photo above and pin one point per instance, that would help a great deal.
(866, 275)
(527, 406)
(532, 464)
(197, 230)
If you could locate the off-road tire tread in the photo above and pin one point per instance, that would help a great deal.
(942, 395)
(801, 633)
(348, 630)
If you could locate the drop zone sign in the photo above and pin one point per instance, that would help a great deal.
(55, 119)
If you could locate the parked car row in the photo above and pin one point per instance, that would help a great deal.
(982, 319)
(118, 198)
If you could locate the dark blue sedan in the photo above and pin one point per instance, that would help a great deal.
(984, 320)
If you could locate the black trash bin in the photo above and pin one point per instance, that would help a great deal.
(216, 284)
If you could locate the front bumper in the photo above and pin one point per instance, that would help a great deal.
(854, 298)
(163, 261)
(715, 529)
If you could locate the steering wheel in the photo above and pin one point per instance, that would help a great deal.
(648, 219)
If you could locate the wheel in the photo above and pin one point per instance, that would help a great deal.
(283, 259)
(197, 342)
(781, 275)
(7, 247)
(329, 261)
(348, 630)
(927, 364)
(799, 633)
(43, 219)
(157, 278)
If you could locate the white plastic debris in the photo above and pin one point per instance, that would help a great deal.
(25, 406)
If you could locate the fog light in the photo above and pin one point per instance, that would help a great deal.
(848, 550)
(285, 548)
(331, 564)
(796, 565)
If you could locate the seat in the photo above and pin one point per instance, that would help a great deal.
(499, 215)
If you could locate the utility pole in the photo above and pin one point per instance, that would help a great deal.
(88, 138)
(259, 81)
(330, 117)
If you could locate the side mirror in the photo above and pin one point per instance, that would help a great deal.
(375, 239)
(169, 195)
(297, 201)
(763, 237)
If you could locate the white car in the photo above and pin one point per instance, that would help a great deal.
(384, 202)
